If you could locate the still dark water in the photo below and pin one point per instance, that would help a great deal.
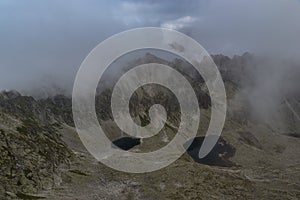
(219, 155)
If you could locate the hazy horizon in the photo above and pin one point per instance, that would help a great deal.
(45, 42)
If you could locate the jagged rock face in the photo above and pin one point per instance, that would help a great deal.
(9, 94)
(30, 156)
(61, 107)
(237, 69)
(103, 105)
(147, 95)
(30, 147)
(23, 107)
(56, 108)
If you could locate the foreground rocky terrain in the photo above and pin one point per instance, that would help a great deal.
(43, 157)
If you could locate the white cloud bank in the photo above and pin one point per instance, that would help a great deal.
(179, 23)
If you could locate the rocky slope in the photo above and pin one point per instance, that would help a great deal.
(42, 156)
(31, 148)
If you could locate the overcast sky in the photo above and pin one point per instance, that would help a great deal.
(47, 40)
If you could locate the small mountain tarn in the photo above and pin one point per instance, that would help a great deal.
(127, 143)
(219, 155)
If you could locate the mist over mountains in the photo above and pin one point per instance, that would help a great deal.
(265, 83)
(47, 41)
(259, 143)
(255, 45)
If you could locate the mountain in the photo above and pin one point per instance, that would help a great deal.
(257, 156)
(31, 147)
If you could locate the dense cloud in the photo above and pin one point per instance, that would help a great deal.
(44, 42)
